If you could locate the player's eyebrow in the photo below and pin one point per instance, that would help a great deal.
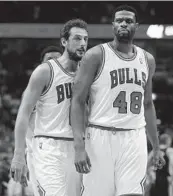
(77, 35)
(124, 17)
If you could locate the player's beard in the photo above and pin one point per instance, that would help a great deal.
(73, 56)
(123, 38)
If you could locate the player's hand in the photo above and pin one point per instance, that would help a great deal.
(19, 169)
(158, 160)
(24, 180)
(82, 161)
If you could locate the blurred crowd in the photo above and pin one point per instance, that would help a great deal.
(44, 12)
(18, 58)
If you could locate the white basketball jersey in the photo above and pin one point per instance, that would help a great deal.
(52, 109)
(117, 94)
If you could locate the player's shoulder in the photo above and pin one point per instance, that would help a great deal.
(40, 76)
(95, 51)
(94, 54)
(150, 61)
(41, 71)
(41, 68)
(149, 56)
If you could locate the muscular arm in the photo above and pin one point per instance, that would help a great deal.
(35, 87)
(150, 113)
(85, 76)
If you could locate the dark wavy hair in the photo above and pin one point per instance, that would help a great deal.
(65, 31)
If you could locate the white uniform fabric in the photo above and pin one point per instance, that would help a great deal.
(54, 167)
(32, 176)
(52, 110)
(119, 162)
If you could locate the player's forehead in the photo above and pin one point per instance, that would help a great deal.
(124, 14)
(74, 31)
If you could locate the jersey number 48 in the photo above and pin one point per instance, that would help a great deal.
(135, 102)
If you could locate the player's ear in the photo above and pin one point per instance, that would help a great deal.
(113, 25)
(137, 26)
(63, 42)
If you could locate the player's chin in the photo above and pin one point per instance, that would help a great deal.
(124, 38)
(79, 57)
(80, 53)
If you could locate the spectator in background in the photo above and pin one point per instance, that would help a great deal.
(4, 170)
(50, 52)
(160, 182)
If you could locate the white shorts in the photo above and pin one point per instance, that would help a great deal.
(54, 167)
(32, 177)
(119, 162)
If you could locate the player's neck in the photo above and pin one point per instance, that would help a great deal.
(68, 64)
(125, 48)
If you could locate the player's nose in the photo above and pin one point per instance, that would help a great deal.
(123, 24)
(83, 42)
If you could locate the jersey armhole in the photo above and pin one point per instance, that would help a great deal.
(50, 81)
(102, 65)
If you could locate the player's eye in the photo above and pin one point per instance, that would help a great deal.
(129, 21)
(86, 39)
(118, 20)
(78, 38)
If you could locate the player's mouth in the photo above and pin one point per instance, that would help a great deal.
(81, 51)
(123, 31)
